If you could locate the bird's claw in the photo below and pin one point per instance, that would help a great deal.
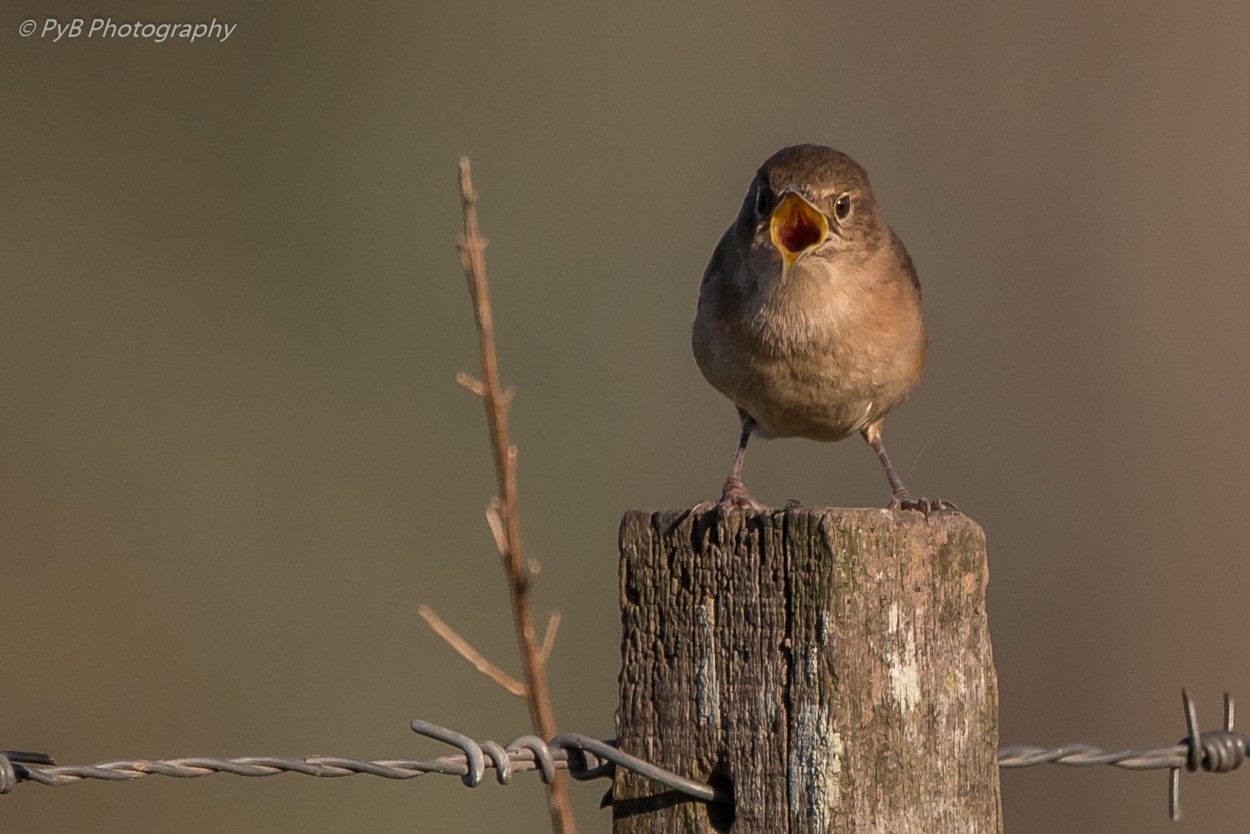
(733, 497)
(924, 505)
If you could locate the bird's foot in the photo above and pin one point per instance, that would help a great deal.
(733, 497)
(924, 505)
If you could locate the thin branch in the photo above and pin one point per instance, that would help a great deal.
(471, 383)
(504, 516)
(466, 650)
(549, 636)
(494, 520)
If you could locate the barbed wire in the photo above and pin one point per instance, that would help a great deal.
(1215, 751)
(585, 758)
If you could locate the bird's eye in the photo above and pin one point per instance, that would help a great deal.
(761, 201)
(842, 208)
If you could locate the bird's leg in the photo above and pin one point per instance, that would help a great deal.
(900, 494)
(901, 499)
(734, 493)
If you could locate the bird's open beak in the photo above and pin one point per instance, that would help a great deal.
(797, 227)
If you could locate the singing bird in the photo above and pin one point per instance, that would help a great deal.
(809, 313)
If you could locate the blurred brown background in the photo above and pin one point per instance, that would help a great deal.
(234, 458)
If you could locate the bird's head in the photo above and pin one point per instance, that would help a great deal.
(810, 200)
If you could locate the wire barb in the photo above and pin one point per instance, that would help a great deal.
(1214, 751)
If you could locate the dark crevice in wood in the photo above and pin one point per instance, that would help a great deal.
(721, 817)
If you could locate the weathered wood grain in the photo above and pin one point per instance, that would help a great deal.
(833, 665)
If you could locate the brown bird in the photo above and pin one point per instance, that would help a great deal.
(809, 312)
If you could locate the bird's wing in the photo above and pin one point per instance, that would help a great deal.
(901, 251)
(716, 265)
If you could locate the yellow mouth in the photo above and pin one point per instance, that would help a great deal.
(797, 227)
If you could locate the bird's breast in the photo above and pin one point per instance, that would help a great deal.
(821, 355)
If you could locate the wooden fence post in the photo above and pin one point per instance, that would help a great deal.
(833, 666)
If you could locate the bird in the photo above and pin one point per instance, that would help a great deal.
(808, 317)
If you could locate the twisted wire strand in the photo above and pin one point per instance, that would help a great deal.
(583, 757)
(126, 770)
(1214, 751)
(1084, 755)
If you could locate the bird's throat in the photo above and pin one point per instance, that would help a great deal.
(797, 227)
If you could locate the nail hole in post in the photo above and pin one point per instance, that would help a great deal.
(721, 814)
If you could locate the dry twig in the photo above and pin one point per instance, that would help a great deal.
(490, 670)
(549, 636)
(503, 518)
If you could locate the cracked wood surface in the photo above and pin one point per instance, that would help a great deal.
(834, 665)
